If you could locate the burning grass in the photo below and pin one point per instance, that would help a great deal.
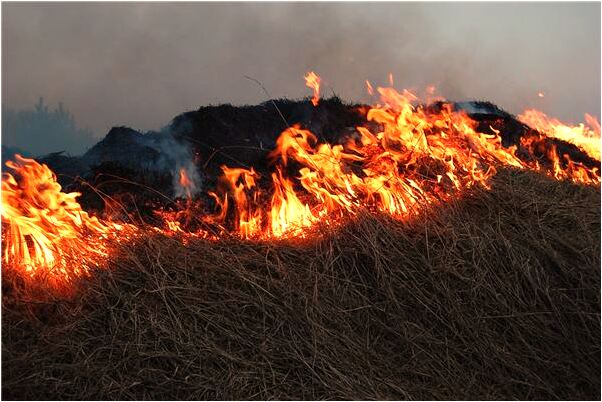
(493, 295)
(404, 159)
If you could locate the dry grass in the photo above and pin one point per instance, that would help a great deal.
(495, 296)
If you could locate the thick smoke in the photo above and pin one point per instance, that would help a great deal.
(141, 64)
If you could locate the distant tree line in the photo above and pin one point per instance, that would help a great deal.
(40, 130)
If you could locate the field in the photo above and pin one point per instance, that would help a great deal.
(495, 295)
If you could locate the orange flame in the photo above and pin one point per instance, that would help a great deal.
(416, 159)
(185, 182)
(585, 136)
(403, 159)
(312, 80)
(369, 88)
(48, 235)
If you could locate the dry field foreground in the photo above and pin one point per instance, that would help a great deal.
(494, 296)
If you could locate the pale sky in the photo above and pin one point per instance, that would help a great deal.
(141, 64)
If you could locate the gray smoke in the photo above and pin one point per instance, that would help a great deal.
(141, 64)
(157, 152)
(179, 158)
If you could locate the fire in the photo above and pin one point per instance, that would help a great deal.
(47, 234)
(369, 88)
(405, 158)
(417, 158)
(288, 214)
(312, 80)
(185, 182)
(239, 184)
(585, 136)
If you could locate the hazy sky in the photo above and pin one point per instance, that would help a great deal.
(141, 64)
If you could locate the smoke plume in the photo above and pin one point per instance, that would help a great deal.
(140, 64)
